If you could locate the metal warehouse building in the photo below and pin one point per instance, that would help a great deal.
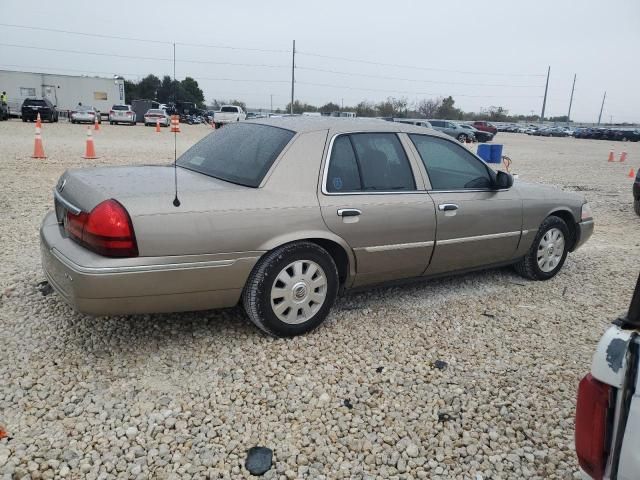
(64, 91)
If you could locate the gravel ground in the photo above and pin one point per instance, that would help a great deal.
(466, 377)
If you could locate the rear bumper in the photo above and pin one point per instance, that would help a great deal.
(98, 285)
(584, 230)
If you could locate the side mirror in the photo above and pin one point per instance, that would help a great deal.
(503, 180)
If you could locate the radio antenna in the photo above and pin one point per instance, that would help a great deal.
(176, 201)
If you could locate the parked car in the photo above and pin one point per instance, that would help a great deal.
(636, 193)
(627, 135)
(477, 135)
(156, 115)
(228, 114)
(122, 114)
(31, 107)
(485, 126)
(85, 114)
(282, 213)
(452, 129)
(414, 121)
(607, 422)
(142, 106)
(557, 132)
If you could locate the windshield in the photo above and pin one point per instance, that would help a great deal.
(241, 153)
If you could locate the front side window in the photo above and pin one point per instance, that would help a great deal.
(241, 153)
(369, 162)
(449, 165)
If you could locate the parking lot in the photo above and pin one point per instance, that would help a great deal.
(471, 376)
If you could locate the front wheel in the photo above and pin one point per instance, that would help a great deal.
(462, 138)
(548, 252)
(291, 290)
(636, 206)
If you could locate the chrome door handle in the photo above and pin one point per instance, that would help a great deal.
(447, 207)
(348, 212)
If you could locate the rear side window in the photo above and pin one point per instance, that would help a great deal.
(240, 153)
(449, 165)
(369, 162)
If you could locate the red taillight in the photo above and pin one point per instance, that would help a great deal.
(107, 230)
(592, 410)
(111, 112)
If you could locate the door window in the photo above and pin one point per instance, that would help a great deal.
(374, 162)
(449, 165)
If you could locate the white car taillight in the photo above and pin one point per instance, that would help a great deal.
(586, 213)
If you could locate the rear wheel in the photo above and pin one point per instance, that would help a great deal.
(548, 251)
(291, 290)
(462, 138)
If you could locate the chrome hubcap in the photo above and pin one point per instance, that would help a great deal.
(298, 291)
(550, 250)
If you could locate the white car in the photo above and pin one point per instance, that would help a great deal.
(228, 114)
(156, 115)
(122, 114)
(608, 407)
(85, 114)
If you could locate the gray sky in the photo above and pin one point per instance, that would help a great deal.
(451, 45)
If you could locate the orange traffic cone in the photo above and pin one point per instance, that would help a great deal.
(632, 174)
(90, 150)
(623, 156)
(38, 122)
(3, 433)
(96, 125)
(157, 125)
(611, 157)
(38, 149)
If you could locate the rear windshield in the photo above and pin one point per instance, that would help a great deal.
(241, 153)
(155, 111)
(41, 103)
(229, 109)
(120, 107)
(83, 108)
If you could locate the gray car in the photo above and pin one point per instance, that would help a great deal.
(452, 129)
(280, 214)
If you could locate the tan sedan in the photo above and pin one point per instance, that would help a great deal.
(281, 214)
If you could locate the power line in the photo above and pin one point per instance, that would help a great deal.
(147, 40)
(415, 93)
(414, 67)
(84, 52)
(351, 74)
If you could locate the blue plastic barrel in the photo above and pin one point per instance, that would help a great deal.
(496, 153)
(484, 152)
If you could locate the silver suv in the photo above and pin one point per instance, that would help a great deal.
(452, 129)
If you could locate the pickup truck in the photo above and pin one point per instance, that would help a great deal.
(607, 433)
(228, 114)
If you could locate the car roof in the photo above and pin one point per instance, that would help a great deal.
(302, 124)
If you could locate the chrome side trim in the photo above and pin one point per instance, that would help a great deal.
(490, 236)
(141, 268)
(398, 246)
(67, 204)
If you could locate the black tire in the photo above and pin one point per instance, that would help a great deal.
(636, 206)
(462, 138)
(112, 123)
(256, 296)
(528, 266)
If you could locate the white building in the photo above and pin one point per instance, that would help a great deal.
(64, 91)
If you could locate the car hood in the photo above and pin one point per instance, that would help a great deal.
(142, 189)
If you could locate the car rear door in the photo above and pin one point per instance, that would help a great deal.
(372, 195)
(476, 225)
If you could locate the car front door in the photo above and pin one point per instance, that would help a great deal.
(372, 195)
(477, 225)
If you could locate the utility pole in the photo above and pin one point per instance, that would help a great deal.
(571, 99)
(544, 102)
(602, 107)
(342, 103)
(293, 75)
(271, 103)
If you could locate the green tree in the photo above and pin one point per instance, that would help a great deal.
(130, 91)
(166, 90)
(148, 87)
(329, 107)
(365, 109)
(190, 92)
(448, 111)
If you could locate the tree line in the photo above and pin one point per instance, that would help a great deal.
(166, 90)
(441, 107)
